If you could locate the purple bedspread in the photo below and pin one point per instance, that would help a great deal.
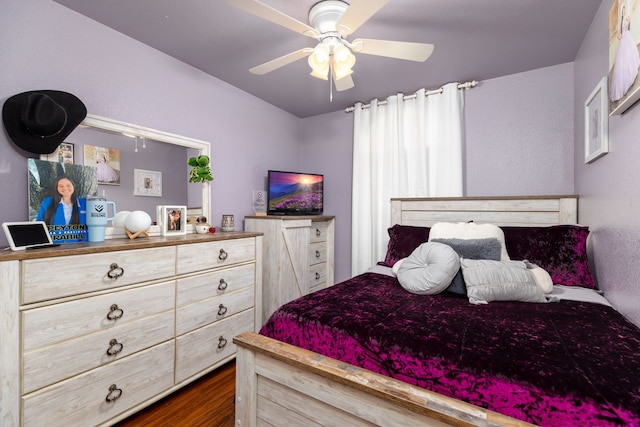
(557, 364)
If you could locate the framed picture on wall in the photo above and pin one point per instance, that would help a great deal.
(174, 220)
(624, 58)
(596, 123)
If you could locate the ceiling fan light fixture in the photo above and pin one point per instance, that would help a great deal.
(321, 73)
(320, 57)
(340, 73)
(342, 60)
(342, 57)
(319, 61)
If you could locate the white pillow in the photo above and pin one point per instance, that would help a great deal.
(541, 277)
(488, 280)
(397, 265)
(469, 230)
(429, 269)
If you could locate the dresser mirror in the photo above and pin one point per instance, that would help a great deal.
(151, 167)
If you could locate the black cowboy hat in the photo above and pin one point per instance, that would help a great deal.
(38, 121)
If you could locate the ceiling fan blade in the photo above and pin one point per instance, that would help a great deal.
(263, 11)
(281, 61)
(344, 83)
(357, 14)
(418, 52)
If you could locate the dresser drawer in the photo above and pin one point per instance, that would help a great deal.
(318, 231)
(82, 400)
(317, 275)
(214, 309)
(317, 253)
(206, 346)
(48, 325)
(48, 365)
(47, 278)
(202, 256)
(220, 282)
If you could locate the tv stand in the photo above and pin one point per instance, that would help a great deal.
(297, 258)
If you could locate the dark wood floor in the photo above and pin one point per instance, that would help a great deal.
(208, 402)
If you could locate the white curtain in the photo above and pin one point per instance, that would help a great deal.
(402, 148)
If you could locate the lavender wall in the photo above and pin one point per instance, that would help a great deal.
(47, 46)
(326, 147)
(519, 134)
(608, 188)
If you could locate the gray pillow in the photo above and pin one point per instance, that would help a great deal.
(429, 269)
(499, 281)
(489, 248)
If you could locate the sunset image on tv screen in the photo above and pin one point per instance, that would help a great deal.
(295, 192)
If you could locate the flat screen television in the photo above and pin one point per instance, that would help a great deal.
(295, 193)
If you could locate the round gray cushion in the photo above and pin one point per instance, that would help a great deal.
(429, 269)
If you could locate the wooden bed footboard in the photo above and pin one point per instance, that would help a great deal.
(283, 385)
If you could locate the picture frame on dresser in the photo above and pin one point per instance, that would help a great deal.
(596, 123)
(172, 219)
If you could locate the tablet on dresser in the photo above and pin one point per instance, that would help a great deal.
(27, 234)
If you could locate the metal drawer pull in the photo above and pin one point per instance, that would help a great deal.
(115, 312)
(222, 342)
(115, 271)
(115, 347)
(114, 393)
(317, 276)
(318, 233)
(223, 255)
(223, 285)
(317, 254)
(222, 310)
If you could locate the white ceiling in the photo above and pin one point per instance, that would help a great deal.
(474, 40)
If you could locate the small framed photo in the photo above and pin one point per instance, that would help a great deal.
(147, 183)
(63, 154)
(172, 219)
(596, 123)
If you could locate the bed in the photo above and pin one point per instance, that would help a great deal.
(367, 352)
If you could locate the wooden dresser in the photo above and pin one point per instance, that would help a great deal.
(298, 256)
(91, 333)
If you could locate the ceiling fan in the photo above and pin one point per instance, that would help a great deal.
(331, 22)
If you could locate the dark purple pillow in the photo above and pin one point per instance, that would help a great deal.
(559, 249)
(403, 239)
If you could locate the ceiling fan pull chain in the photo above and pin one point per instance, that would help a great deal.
(331, 77)
(330, 91)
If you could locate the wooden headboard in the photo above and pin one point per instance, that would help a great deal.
(502, 211)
